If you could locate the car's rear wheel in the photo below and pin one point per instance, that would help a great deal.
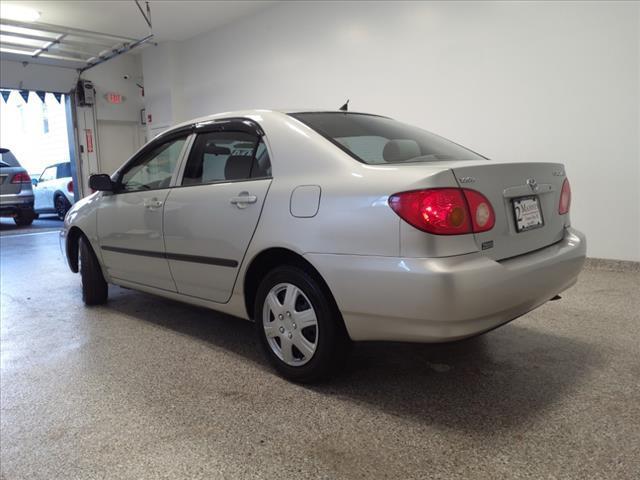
(94, 286)
(299, 325)
(24, 218)
(61, 205)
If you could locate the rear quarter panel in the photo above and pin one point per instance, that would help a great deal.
(354, 217)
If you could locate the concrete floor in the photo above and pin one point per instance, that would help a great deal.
(46, 222)
(149, 388)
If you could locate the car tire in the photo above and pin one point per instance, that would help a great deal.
(323, 345)
(94, 287)
(61, 205)
(24, 218)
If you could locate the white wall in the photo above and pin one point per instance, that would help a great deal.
(519, 81)
(163, 85)
(114, 127)
(109, 77)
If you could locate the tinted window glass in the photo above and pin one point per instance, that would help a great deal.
(7, 158)
(379, 140)
(48, 174)
(64, 170)
(220, 156)
(261, 163)
(155, 169)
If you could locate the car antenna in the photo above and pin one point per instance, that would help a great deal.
(345, 107)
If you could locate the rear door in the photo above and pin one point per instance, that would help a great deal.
(516, 191)
(130, 220)
(210, 217)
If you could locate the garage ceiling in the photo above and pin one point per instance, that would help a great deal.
(118, 23)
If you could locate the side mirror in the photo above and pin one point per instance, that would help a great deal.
(101, 182)
(34, 182)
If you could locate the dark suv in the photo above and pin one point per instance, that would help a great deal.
(16, 194)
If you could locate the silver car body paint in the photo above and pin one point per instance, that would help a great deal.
(390, 280)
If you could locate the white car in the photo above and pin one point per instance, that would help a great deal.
(327, 227)
(53, 190)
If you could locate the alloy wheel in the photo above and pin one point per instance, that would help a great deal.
(61, 208)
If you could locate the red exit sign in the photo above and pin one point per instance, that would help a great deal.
(113, 97)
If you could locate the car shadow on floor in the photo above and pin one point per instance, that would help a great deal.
(492, 383)
(44, 223)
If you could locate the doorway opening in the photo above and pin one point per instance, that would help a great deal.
(36, 128)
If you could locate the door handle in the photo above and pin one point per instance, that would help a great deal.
(243, 200)
(152, 203)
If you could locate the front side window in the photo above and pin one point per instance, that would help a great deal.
(48, 174)
(379, 140)
(154, 169)
(226, 156)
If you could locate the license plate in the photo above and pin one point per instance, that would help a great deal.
(527, 213)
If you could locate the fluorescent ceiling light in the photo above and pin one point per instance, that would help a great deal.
(18, 13)
(15, 50)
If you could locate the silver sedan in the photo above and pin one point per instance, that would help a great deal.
(327, 228)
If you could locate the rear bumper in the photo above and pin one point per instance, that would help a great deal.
(12, 204)
(445, 299)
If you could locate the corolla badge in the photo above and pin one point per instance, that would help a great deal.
(558, 173)
(533, 184)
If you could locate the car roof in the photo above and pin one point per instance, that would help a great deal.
(252, 114)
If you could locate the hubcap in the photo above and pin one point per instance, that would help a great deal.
(290, 324)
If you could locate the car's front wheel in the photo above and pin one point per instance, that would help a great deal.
(94, 287)
(299, 325)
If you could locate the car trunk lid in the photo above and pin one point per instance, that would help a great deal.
(6, 177)
(516, 189)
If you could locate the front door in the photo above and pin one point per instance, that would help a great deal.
(43, 191)
(130, 219)
(210, 217)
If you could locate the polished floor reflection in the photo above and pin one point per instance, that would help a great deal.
(149, 388)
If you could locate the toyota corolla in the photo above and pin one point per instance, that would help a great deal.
(326, 228)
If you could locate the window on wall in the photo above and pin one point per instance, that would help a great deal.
(226, 156)
(23, 120)
(45, 118)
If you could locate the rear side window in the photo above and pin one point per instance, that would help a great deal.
(64, 170)
(379, 140)
(226, 156)
(7, 159)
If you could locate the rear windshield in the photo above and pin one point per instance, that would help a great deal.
(7, 159)
(379, 140)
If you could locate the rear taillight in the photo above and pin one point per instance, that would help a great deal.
(22, 177)
(565, 198)
(444, 211)
(70, 187)
(483, 217)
